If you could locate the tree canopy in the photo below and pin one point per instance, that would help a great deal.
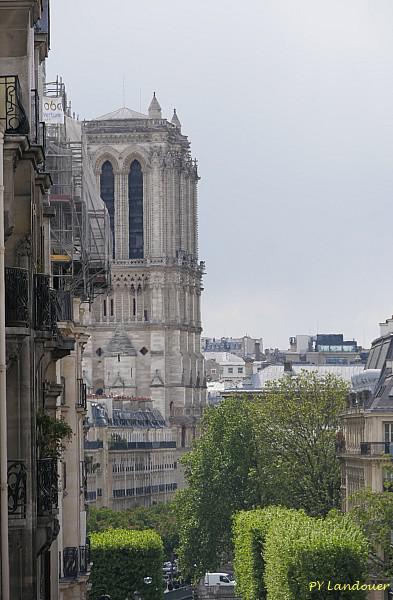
(298, 419)
(160, 517)
(373, 513)
(277, 448)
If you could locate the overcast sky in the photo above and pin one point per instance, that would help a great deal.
(288, 105)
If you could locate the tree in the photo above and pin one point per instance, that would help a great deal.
(123, 560)
(221, 476)
(160, 517)
(298, 422)
(278, 448)
(373, 513)
(279, 552)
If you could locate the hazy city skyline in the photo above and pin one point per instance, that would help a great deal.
(288, 107)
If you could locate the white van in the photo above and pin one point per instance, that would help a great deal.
(219, 579)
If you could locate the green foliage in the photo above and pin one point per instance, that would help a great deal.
(122, 559)
(298, 420)
(373, 512)
(51, 435)
(275, 449)
(249, 531)
(160, 517)
(220, 471)
(289, 550)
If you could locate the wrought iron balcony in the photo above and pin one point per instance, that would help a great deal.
(375, 448)
(71, 562)
(62, 301)
(38, 128)
(81, 401)
(44, 315)
(84, 559)
(93, 444)
(124, 445)
(16, 297)
(47, 486)
(83, 471)
(50, 306)
(12, 113)
(16, 479)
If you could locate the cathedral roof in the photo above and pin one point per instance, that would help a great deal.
(121, 344)
(122, 113)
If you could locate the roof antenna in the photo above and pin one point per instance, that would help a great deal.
(124, 92)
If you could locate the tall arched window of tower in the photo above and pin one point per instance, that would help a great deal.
(135, 210)
(107, 191)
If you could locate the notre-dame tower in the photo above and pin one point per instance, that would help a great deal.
(145, 334)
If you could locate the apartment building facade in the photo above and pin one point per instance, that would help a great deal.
(44, 554)
(365, 444)
(130, 454)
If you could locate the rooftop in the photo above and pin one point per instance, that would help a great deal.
(122, 113)
(274, 372)
(223, 357)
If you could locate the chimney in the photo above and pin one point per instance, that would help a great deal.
(288, 367)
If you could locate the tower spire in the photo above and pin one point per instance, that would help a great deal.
(175, 119)
(155, 108)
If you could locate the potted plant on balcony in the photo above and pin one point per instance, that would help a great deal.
(52, 435)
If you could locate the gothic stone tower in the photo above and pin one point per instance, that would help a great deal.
(145, 335)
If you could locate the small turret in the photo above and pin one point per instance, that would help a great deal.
(154, 108)
(175, 120)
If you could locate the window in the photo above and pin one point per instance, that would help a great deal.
(64, 475)
(135, 210)
(388, 432)
(240, 369)
(230, 369)
(104, 308)
(213, 370)
(383, 355)
(183, 437)
(107, 190)
(112, 307)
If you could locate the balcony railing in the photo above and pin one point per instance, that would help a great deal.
(44, 313)
(16, 479)
(81, 401)
(16, 297)
(12, 113)
(124, 445)
(71, 562)
(76, 560)
(50, 306)
(93, 445)
(47, 486)
(62, 301)
(83, 469)
(84, 558)
(375, 448)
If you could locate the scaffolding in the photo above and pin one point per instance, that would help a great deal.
(80, 229)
